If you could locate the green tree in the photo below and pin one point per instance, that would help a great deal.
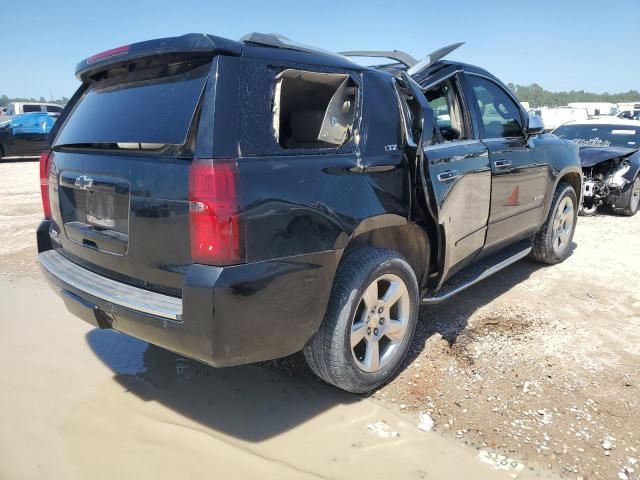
(539, 97)
(5, 100)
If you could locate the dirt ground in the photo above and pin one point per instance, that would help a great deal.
(542, 363)
(20, 213)
(538, 363)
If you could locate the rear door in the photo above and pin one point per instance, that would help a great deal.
(520, 170)
(458, 171)
(121, 164)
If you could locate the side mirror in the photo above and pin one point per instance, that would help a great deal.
(535, 125)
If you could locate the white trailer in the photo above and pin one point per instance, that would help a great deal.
(596, 108)
(553, 117)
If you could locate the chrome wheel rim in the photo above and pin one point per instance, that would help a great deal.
(380, 322)
(635, 195)
(563, 226)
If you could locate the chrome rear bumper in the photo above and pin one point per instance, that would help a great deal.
(117, 293)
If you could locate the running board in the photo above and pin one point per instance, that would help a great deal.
(446, 293)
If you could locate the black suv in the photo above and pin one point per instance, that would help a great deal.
(242, 201)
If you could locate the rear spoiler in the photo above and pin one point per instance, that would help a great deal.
(192, 42)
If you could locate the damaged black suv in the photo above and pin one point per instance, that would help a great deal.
(243, 201)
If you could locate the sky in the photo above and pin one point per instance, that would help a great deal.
(561, 44)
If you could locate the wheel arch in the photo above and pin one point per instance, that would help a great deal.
(634, 171)
(571, 175)
(408, 239)
(573, 178)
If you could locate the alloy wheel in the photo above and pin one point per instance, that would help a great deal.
(380, 323)
(563, 226)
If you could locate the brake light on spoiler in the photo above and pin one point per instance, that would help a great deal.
(192, 43)
(108, 53)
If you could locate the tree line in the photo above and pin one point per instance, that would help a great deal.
(534, 94)
(539, 97)
(4, 100)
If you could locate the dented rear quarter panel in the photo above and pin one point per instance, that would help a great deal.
(297, 202)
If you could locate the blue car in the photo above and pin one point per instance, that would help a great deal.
(25, 135)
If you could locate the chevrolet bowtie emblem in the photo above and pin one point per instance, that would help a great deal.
(83, 182)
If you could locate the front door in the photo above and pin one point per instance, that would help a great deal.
(520, 172)
(459, 176)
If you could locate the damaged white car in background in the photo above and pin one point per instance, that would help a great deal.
(610, 157)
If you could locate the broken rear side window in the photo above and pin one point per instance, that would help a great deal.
(313, 110)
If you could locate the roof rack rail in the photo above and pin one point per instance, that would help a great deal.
(397, 55)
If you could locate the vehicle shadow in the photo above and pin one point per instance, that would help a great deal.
(257, 402)
(249, 402)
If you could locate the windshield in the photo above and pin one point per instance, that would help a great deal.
(138, 107)
(601, 135)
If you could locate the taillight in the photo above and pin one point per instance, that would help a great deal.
(108, 53)
(46, 159)
(213, 215)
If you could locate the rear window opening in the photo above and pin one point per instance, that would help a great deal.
(313, 110)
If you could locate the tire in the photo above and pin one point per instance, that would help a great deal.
(357, 311)
(589, 211)
(629, 201)
(552, 242)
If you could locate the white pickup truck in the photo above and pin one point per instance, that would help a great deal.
(16, 108)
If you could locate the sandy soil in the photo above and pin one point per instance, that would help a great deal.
(542, 363)
(538, 363)
(78, 403)
(20, 213)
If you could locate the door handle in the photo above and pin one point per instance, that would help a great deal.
(448, 175)
(502, 164)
